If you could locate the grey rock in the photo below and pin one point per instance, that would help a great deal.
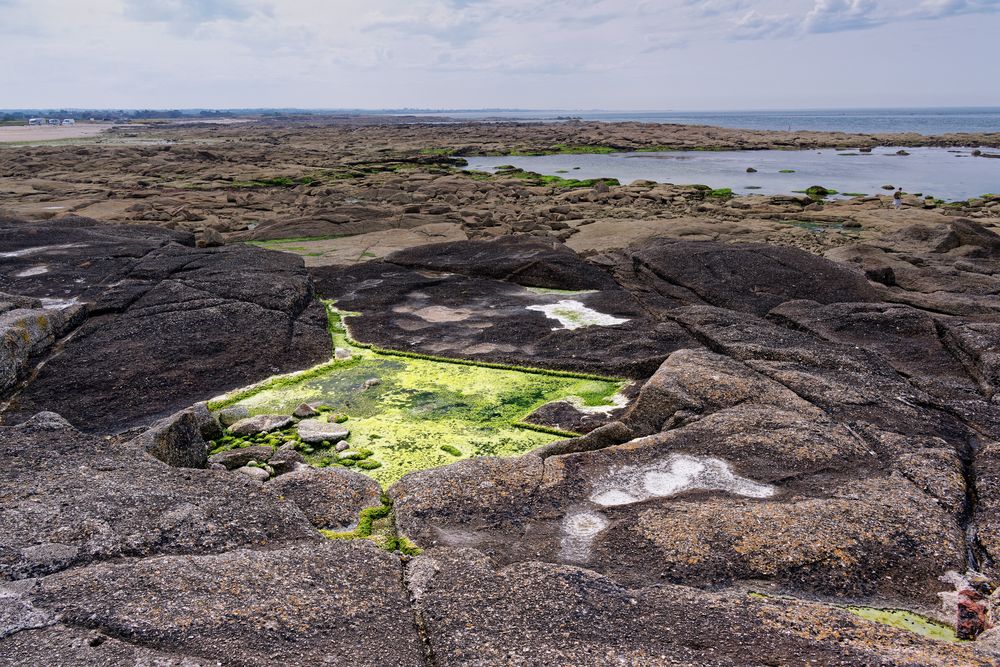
(332, 497)
(285, 460)
(304, 410)
(286, 606)
(181, 439)
(254, 473)
(73, 491)
(232, 414)
(260, 424)
(237, 458)
(315, 431)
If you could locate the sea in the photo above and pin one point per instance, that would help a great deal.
(861, 121)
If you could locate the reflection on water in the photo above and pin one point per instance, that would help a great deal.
(950, 174)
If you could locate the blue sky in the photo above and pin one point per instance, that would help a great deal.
(580, 54)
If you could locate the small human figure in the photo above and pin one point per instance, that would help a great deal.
(897, 199)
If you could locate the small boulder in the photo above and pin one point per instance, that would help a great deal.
(232, 414)
(211, 238)
(237, 458)
(314, 431)
(260, 424)
(331, 498)
(751, 170)
(254, 472)
(305, 410)
(342, 353)
(286, 460)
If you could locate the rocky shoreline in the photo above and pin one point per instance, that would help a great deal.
(802, 472)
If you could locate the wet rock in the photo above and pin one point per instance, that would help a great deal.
(237, 458)
(276, 606)
(315, 431)
(108, 501)
(260, 424)
(331, 498)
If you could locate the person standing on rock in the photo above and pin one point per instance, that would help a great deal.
(897, 199)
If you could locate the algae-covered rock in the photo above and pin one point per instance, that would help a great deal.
(260, 424)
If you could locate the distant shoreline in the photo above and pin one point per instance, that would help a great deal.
(11, 134)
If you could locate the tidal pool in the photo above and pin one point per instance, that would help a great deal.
(416, 413)
(949, 174)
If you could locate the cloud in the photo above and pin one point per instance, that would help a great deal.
(933, 9)
(188, 12)
(754, 25)
(839, 15)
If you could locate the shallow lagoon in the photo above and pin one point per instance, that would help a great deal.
(949, 174)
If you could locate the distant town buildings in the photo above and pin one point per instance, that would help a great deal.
(51, 121)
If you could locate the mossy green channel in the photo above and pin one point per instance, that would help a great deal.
(413, 412)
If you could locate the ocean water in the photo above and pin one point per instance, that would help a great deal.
(949, 174)
(861, 121)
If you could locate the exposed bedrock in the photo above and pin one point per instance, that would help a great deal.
(475, 613)
(168, 324)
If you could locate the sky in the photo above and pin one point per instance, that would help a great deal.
(529, 54)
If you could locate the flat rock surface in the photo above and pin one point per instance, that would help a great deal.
(564, 615)
(72, 499)
(135, 358)
(333, 603)
(331, 498)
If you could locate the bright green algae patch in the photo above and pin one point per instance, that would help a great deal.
(907, 620)
(422, 412)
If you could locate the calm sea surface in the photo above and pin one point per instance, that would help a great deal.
(863, 121)
(950, 174)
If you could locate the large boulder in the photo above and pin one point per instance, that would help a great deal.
(332, 498)
(137, 358)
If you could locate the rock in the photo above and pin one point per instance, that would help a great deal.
(342, 353)
(902, 152)
(341, 446)
(102, 501)
(211, 238)
(555, 614)
(304, 410)
(601, 188)
(369, 383)
(294, 605)
(286, 460)
(751, 170)
(150, 289)
(315, 431)
(331, 498)
(260, 424)
(181, 440)
(255, 473)
(229, 416)
(237, 458)
(668, 273)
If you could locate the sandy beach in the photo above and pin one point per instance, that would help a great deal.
(19, 133)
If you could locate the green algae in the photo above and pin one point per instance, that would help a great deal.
(377, 525)
(423, 412)
(907, 620)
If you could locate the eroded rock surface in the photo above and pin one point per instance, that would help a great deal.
(168, 324)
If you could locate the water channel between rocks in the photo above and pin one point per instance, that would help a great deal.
(948, 174)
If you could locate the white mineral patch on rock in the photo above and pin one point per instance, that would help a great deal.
(572, 314)
(33, 271)
(678, 473)
(24, 252)
(579, 528)
(59, 304)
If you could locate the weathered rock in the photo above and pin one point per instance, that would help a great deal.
(331, 498)
(285, 460)
(564, 615)
(252, 309)
(315, 431)
(304, 411)
(260, 424)
(181, 440)
(237, 458)
(72, 499)
(287, 606)
(255, 473)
